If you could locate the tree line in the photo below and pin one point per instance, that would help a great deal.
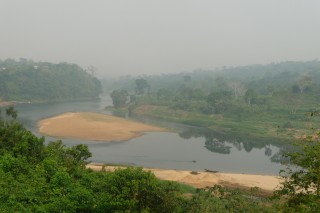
(254, 84)
(35, 177)
(26, 80)
(271, 100)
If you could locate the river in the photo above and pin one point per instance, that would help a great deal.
(187, 149)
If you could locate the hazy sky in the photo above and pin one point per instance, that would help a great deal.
(164, 36)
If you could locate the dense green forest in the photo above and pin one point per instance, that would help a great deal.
(25, 80)
(35, 177)
(270, 101)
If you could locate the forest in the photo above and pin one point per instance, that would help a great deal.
(36, 176)
(39, 177)
(28, 81)
(273, 101)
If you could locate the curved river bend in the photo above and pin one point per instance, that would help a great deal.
(191, 149)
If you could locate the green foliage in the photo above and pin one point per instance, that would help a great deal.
(164, 94)
(28, 81)
(14, 138)
(10, 111)
(301, 180)
(256, 100)
(35, 177)
(119, 98)
(53, 178)
(251, 97)
(137, 190)
(221, 199)
(141, 86)
(218, 101)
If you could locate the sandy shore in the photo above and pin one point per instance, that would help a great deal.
(202, 179)
(93, 126)
(6, 103)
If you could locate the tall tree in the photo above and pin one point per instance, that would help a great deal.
(237, 88)
(304, 82)
(119, 98)
(141, 86)
(218, 101)
(250, 97)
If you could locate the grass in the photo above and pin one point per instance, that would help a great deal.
(276, 121)
(272, 124)
(187, 189)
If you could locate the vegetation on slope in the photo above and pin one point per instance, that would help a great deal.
(25, 80)
(35, 177)
(268, 101)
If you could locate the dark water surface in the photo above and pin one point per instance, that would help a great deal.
(189, 149)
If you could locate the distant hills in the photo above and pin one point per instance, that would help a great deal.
(261, 78)
(26, 80)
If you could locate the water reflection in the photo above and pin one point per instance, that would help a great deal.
(214, 145)
(226, 142)
(191, 149)
(268, 151)
(219, 142)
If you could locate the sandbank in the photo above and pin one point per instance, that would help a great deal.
(266, 183)
(6, 103)
(93, 126)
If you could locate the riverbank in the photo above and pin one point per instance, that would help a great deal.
(93, 126)
(276, 126)
(197, 179)
(6, 103)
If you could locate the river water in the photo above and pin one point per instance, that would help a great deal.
(188, 148)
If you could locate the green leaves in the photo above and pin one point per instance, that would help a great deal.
(10, 111)
(221, 199)
(138, 190)
(53, 178)
(301, 185)
(119, 98)
(35, 177)
(141, 85)
(46, 81)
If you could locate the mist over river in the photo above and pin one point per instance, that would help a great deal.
(188, 148)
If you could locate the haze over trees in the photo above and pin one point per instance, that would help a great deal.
(255, 106)
(119, 98)
(26, 80)
(53, 178)
(262, 102)
(266, 101)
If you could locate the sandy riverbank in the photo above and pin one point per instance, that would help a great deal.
(93, 126)
(6, 103)
(202, 179)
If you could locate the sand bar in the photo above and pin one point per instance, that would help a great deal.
(203, 179)
(6, 103)
(93, 126)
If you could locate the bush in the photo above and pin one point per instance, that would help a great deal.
(301, 185)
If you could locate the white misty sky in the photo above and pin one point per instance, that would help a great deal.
(166, 36)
